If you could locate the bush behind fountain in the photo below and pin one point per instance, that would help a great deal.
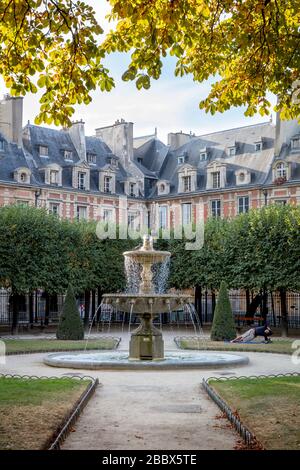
(223, 327)
(70, 326)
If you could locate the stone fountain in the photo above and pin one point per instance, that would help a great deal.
(146, 343)
(146, 347)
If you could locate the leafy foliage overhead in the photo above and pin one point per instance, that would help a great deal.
(250, 47)
(52, 45)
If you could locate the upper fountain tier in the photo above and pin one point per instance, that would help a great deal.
(146, 253)
(147, 257)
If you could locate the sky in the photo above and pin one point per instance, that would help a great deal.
(170, 105)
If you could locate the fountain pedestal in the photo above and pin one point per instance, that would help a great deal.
(146, 343)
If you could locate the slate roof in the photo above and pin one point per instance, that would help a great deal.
(11, 158)
(217, 145)
(153, 159)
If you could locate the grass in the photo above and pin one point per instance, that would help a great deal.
(277, 346)
(269, 407)
(31, 410)
(15, 346)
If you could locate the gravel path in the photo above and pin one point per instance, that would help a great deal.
(152, 409)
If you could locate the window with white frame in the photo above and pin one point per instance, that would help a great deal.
(54, 176)
(107, 184)
(91, 158)
(108, 215)
(216, 179)
(187, 183)
(232, 151)
(131, 221)
(81, 179)
(215, 208)
(295, 142)
(23, 203)
(243, 204)
(81, 212)
(280, 202)
(203, 156)
(163, 217)
(43, 151)
(68, 155)
(132, 187)
(186, 209)
(54, 208)
(181, 159)
(258, 146)
(281, 170)
(24, 177)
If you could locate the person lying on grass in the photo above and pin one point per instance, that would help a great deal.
(249, 335)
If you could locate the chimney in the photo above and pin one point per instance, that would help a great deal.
(119, 138)
(11, 117)
(77, 134)
(177, 139)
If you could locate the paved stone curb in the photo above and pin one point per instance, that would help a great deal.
(248, 437)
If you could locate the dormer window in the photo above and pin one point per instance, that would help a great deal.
(43, 151)
(203, 156)
(281, 170)
(107, 184)
(91, 158)
(1, 145)
(187, 183)
(181, 159)
(295, 142)
(162, 188)
(216, 179)
(258, 146)
(81, 180)
(140, 160)
(23, 177)
(68, 155)
(54, 177)
(132, 189)
(232, 151)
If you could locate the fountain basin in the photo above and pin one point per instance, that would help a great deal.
(147, 303)
(120, 360)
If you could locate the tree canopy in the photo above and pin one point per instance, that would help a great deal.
(250, 47)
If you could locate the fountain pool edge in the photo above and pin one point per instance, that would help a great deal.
(118, 361)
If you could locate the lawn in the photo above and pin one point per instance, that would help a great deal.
(31, 410)
(15, 346)
(277, 345)
(269, 407)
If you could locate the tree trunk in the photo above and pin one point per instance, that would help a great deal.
(15, 305)
(205, 312)
(273, 308)
(247, 302)
(213, 303)
(284, 313)
(198, 302)
(265, 305)
(100, 294)
(87, 303)
(31, 309)
(93, 312)
(47, 308)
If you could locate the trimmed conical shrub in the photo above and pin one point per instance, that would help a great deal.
(223, 327)
(70, 326)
